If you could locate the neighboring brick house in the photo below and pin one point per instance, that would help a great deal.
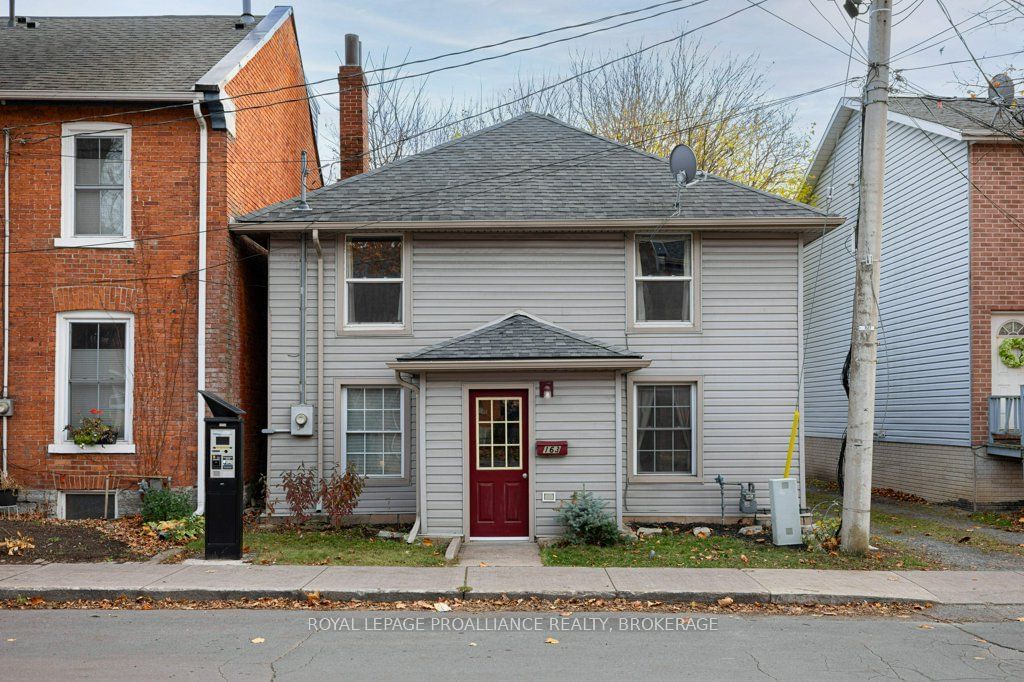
(121, 131)
(948, 408)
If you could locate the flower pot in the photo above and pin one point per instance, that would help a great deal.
(8, 498)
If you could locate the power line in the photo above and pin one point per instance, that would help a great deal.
(422, 74)
(917, 47)
(503, 176)
(824, 42)
(575, 76)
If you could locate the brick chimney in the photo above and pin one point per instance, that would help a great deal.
(353, 124)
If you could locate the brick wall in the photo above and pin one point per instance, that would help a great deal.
(46, 280)
(262, 167)
(155, 279)
(997, 254)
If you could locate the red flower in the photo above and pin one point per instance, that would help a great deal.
(96, 411)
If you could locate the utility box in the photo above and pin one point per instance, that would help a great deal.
(785, 501)
(302, 420)
(225, 485)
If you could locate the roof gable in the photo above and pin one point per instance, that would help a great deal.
(529, 168)
(519, 336)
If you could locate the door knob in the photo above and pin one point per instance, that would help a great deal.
(524, 474)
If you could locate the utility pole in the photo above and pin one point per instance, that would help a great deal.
(864, 334)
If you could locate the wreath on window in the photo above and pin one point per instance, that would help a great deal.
(1011, 351)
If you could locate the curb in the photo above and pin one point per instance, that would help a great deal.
(78, 593)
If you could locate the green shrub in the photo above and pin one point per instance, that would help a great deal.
(587, 522)
(177, 530)
(166, 505)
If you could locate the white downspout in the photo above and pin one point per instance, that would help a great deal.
(618, 449)
(7, 277)
(319, 355)
(420, 430)
(197, 109)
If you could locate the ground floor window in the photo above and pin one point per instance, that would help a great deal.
(94, 372)
(664, 428)
(374, 430)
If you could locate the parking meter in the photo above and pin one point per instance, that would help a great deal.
(225, 486)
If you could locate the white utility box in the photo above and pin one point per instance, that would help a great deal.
(302, 420)
(784, 494)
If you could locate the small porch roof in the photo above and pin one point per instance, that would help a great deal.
(519, 341)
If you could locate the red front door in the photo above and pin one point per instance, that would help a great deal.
(499, 485)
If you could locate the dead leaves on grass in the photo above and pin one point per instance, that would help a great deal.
(16, 546)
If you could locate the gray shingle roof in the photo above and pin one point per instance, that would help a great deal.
(159, 54)
(531, 167)
(960, 113)
(519, 337)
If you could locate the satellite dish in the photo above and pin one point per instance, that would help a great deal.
(683, 163)
(1001, 88)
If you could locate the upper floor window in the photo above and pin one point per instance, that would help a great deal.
(375, 282)
(663, 287)
(96, 185)
(1012, 328)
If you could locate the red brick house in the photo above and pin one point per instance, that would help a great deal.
(131, 143)
(948, 405)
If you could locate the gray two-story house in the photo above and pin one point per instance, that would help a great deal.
(488, 326)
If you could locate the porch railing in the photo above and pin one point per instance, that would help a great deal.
(1004, 417)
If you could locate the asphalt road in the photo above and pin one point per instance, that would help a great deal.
(203, 645)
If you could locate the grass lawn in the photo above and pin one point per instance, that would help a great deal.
(724, 551)
(346, 547)
(1013, 521)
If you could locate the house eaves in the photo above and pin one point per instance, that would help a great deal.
(844, 111)
(98, 95)
(739, 224)
(515, 365)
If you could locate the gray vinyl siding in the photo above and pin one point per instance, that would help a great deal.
(923, 376)
(746, 355)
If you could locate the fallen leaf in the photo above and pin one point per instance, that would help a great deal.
(551, 640)
(1021, 619)
(966, 538)
(441, 606)
(925, 626)
(257, 640)
(312, 597)
(472, 643)
(484, 564)
(12, 639)
(36, 601)
(744, 559)
(726, 601)
(565, 614)
(427, 542)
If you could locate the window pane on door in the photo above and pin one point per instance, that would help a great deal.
(498, 433)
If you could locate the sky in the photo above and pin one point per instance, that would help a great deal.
(794, 61)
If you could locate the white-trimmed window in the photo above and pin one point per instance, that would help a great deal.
(373, 426)
(96, 185)
(94, 377)
(375, 283)
(663, 282)
(664, 429)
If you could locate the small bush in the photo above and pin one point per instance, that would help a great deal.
(166, 505)
(341, 494)
(177, 530)
(301, 492)
(587, 522)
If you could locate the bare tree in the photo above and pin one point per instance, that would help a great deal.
(657, 99)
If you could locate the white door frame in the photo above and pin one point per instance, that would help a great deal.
(531, 403)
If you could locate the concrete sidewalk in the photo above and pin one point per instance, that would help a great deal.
(384, 583)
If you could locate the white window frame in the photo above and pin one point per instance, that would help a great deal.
(697, 415)
(636, 325)
(342, 439)
(375, 329)
(69, 133)
(62, 445)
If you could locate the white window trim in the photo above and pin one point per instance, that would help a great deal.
(61, 444)
(346, 328)
(522, 428)
(68, 238)
(633, 268)
(697, 399)
(341, 397)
